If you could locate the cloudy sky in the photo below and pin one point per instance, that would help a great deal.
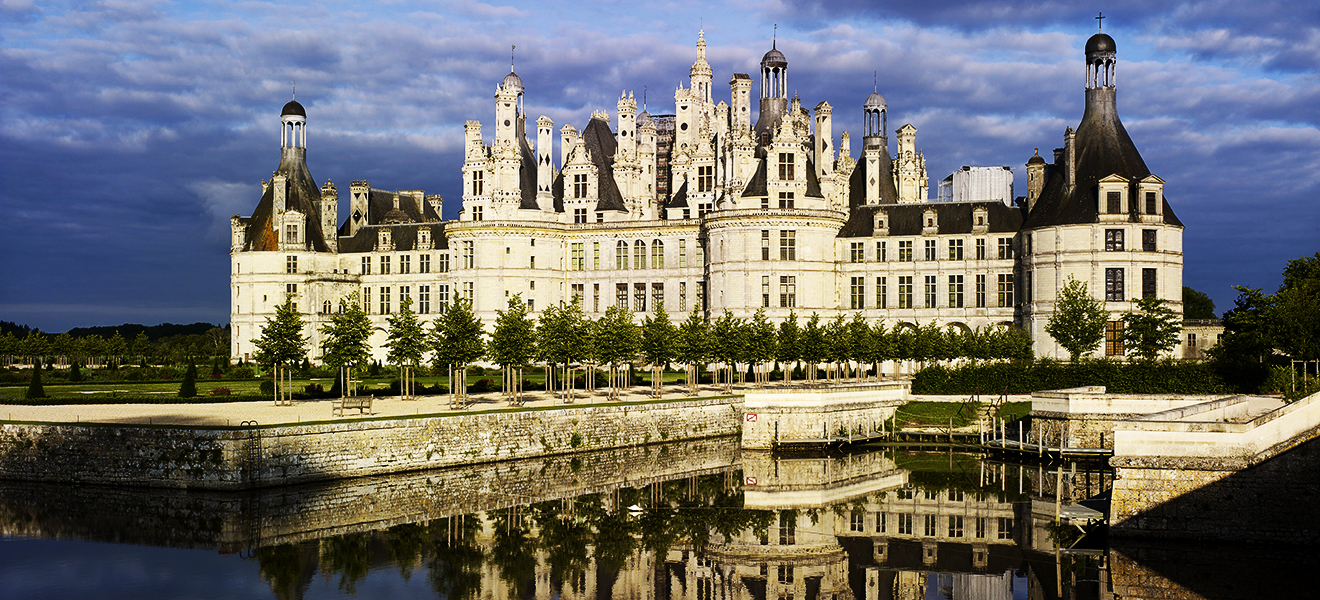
(131, 131)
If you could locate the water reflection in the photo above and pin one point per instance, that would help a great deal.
(688, 521)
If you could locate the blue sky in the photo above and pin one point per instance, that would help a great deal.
(131, 131)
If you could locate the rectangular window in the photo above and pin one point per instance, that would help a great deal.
(657, 294)
(580, 185)
(955, 526)
(787, 291)
(291, 234)
(765, 202)
(787, 244)
(1005, 528)
(621, 295)
(384, 301)
(1114, 285)
(595, 255)
(701, 252)
(469, 291)
(905, 251)
(955, 291)
(682, 296)
(423, 263)
(881, 292)
(441, 298)
(657, 254)
(930, 291)
(1005, 290)
(469, 255)
(880, 519)
(858, 294)
(1148, 283)
(639, 297)
(1113, 203)
(578, 293)
(291, 264)
(405, 264)
(930, 250)
(785, 199)
(787, 534)
(786, 166)
(929, 524)
(405, 292)
(1005, 248)
(1147, 240)
(705, 179)
(1150, 203)
(701, 294)
(579, 216)
(384, 265)
(703, 208)
(904, 524)
(980, 291)
(639, 255)
(424, 299)
(765, 244)
(478, 183)
(980, 527)
(621, 255)
(980, 249)
(476, 213)
(1027, 251)
(291, 289)
(857, 521)
(366, 300)
(880, 251)
(682, 251)
(905, 291)
(765, 291)
(955, 249)
(857, 252)
(785, 572)
(1114, 338)
(366, 265)
(577, 259)
(595, 297)
(1113, 240)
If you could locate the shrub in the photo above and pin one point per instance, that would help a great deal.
(1144, 377)
(188, 389)
(34, 387)
(241, 372)
(482, 386)
(268, 387)
(220, 392)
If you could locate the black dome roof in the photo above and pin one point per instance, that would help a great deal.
(293, 108)
(1100, 42)
(774, 58)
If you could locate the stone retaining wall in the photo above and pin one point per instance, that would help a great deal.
(1086, 415)
(281, 455)
(818, 413)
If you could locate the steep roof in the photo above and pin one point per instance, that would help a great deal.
(601, 145)
(951, 218)
(404, 237)
(301, 194)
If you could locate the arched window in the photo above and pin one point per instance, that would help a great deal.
(657, 254)
(621, 255)
(326, 307)
(639, 254)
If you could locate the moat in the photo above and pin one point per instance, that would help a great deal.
(700, 520)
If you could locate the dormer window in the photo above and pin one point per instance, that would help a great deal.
(1150, 197)
(291, 233)
(1113, 197)
(423, 239)
(932, 222)
(786, 163)
(384, 241)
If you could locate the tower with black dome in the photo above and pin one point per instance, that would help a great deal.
(774, 90)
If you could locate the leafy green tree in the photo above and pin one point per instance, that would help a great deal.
(693, 347)
(91, 347)
(281, 344)
(457, 341)
(141, 347)
(727, 345)
(658, 346)
(789, 349)
(838, 344)
(513, 344)
(561, 339)
(881, 347)
(1197, 305)
(188, 389)
(761, 345)
(813, 345)
(116, 346)
(345, 341)
(1294, 325)
(62, 346)
(618, 341)
(1078, 322)
(1152, 331)
(407, 343)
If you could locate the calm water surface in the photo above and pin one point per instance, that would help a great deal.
(687, 521)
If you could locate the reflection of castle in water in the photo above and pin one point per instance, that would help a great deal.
(676, 522)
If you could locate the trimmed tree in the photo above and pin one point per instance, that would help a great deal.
(761, 345)
(513, 345)
(618, 341)
(658, 346)
(281, 344)
(456, 341)
(789, 347)
(188, 389)
(693, 346)
(727, 345)
(345, 342)
(1152, 331)
(406, 341)
(561, 333)
(35, 345)
(814, 346)
(1078, 322)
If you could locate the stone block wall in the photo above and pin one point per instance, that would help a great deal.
(815, 414)
(282, 455)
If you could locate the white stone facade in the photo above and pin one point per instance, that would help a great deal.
(758, 216)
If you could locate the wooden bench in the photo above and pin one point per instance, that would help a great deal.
(362, 403)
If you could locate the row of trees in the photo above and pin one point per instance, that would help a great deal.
(36, 347)
(566, 341)
(1078, 324)
(1263, 329)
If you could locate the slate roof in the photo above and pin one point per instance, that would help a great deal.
(601, 145)
(303, 195)
(757, 186)
(1103, 148)
(404, 236)
(380, 206)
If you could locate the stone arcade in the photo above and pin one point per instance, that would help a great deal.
(705, 208)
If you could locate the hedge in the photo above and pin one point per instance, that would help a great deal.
(1163, 377)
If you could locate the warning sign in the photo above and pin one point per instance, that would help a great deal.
(751, 417)
(751, 481)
